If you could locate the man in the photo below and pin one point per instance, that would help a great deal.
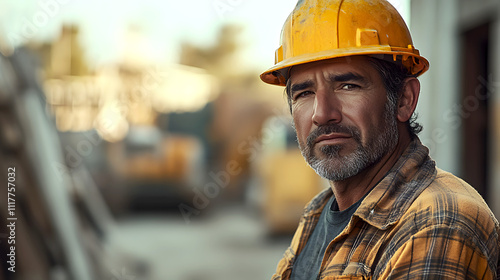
(350, 71)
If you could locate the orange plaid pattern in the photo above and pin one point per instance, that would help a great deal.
(419, 222)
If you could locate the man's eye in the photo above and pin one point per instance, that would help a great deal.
(302, 94)
(349, 86)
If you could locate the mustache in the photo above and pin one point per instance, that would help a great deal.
(333, 128)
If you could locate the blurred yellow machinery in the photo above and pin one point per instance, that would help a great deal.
(289, 184)
(286, 182)
(156, 170)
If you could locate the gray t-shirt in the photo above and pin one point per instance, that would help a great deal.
(331, 223)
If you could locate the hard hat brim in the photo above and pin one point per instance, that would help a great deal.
(278, 74)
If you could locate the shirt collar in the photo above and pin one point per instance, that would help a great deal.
(392, 196)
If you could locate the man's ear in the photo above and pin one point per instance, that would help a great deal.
(409, 98)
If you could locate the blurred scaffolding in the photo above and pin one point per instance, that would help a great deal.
(61, 225)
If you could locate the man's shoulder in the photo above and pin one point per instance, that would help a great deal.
(449, 201)
(448, 222)
(449, 191)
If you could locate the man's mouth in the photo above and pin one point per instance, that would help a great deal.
(332, 138)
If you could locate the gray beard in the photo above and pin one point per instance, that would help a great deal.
(335, 167)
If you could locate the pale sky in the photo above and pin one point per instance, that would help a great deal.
(164, 23)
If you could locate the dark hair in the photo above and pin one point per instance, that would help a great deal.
(393, 76)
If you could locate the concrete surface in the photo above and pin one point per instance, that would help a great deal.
(229, 243)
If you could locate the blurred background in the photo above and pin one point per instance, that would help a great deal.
(146, 147)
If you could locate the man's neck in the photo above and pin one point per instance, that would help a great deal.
(351, 190)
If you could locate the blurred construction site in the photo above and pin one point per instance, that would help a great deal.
(188, 168)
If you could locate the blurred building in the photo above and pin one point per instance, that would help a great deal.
(157, 127)
(460, 96)
(115, 119)
(113, 97)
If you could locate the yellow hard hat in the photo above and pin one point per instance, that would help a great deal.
(324, 29)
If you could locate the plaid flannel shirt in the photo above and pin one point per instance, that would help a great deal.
(419, 222)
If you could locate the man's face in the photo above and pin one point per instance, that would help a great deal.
(342, 117)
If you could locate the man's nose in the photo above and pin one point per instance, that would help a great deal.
(327, 108)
